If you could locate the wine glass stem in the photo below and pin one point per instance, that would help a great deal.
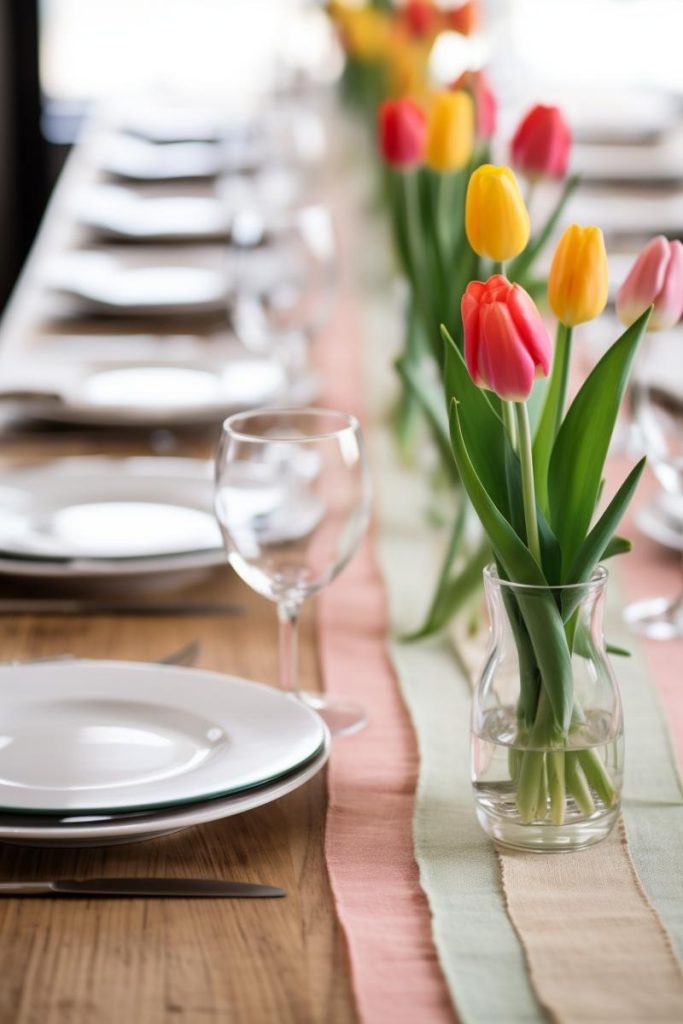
(288, 618)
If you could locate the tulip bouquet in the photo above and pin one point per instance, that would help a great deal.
(456, 217)
(387, 45)
(535, 483)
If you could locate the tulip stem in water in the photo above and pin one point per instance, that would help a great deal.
(528, 490)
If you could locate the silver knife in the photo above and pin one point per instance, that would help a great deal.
(142, 887)
(76, 606)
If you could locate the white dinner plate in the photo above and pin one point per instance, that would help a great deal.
(120, 212)
(108, 508)
(104, 736)
(150, 394)
(105, 284)
(103, 830)
(139, 160)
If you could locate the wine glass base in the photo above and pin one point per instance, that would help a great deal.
(658, 618)
(341, 717)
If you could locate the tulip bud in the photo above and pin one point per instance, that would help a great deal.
(484, 98)
(463, 19)
(506, 342)
(541, 145)
(420, 17)
(578, 279)
(496, 219)
(402, 129)
(656, 278)
(450, 131)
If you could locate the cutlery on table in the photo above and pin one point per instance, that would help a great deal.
(77, 606)
(185, 655)
(192, 888)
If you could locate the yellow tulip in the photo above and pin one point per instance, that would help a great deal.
(365, 32)
(450, 131)
(496, 219)
(578, 280)
(407, 68)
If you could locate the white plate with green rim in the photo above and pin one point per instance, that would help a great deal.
(116, 829)
(107, 737)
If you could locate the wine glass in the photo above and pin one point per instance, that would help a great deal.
(659, 424)
(283, 277)
(293, 503)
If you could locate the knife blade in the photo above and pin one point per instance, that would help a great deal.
(67, 606)
(192, 888)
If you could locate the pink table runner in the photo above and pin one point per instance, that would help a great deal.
(372, 775)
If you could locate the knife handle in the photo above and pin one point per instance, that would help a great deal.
(25, 888)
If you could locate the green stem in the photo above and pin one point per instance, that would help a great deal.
(510, 425)
(528, 490)
(553, 411)
(415, 239)
(577, 785)
(498, 267)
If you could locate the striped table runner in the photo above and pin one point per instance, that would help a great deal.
(589, 936)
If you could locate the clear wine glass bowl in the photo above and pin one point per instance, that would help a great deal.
(293, 503)
(658, 408)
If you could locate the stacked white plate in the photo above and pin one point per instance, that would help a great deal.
(105, 752)
(104, 518)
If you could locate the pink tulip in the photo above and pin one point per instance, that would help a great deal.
(541, 145)
(655, 278)
(506, 342)
(485, 102)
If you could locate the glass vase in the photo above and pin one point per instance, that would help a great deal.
(547, 727)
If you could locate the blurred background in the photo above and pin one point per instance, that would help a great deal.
(615, 60)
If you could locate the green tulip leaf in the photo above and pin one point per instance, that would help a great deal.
(616, 546)
(597, 541)
(482, 427)
(578, 455)
(539, 611)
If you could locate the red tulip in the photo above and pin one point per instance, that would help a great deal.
(420, 17)
(506, 342)
(541, 145)
(656, 278)
(485, 102)
(402, 128)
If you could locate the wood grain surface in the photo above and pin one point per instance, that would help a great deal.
(179, 960)
(147, 961)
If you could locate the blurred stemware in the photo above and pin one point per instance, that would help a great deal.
(283, 282)
(293, 503)
(658, 423)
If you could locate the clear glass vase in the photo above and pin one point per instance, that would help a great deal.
(546, 779)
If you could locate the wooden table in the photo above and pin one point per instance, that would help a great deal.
(165, 960)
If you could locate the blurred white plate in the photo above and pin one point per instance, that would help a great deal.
(93, 517)
(155, 393)
(120, 212)
(105, 737)
(623, 212)
(105, 284)
(140, 160)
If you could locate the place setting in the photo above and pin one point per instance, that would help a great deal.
(107, 752)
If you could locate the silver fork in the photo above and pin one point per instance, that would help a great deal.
(185, 655)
